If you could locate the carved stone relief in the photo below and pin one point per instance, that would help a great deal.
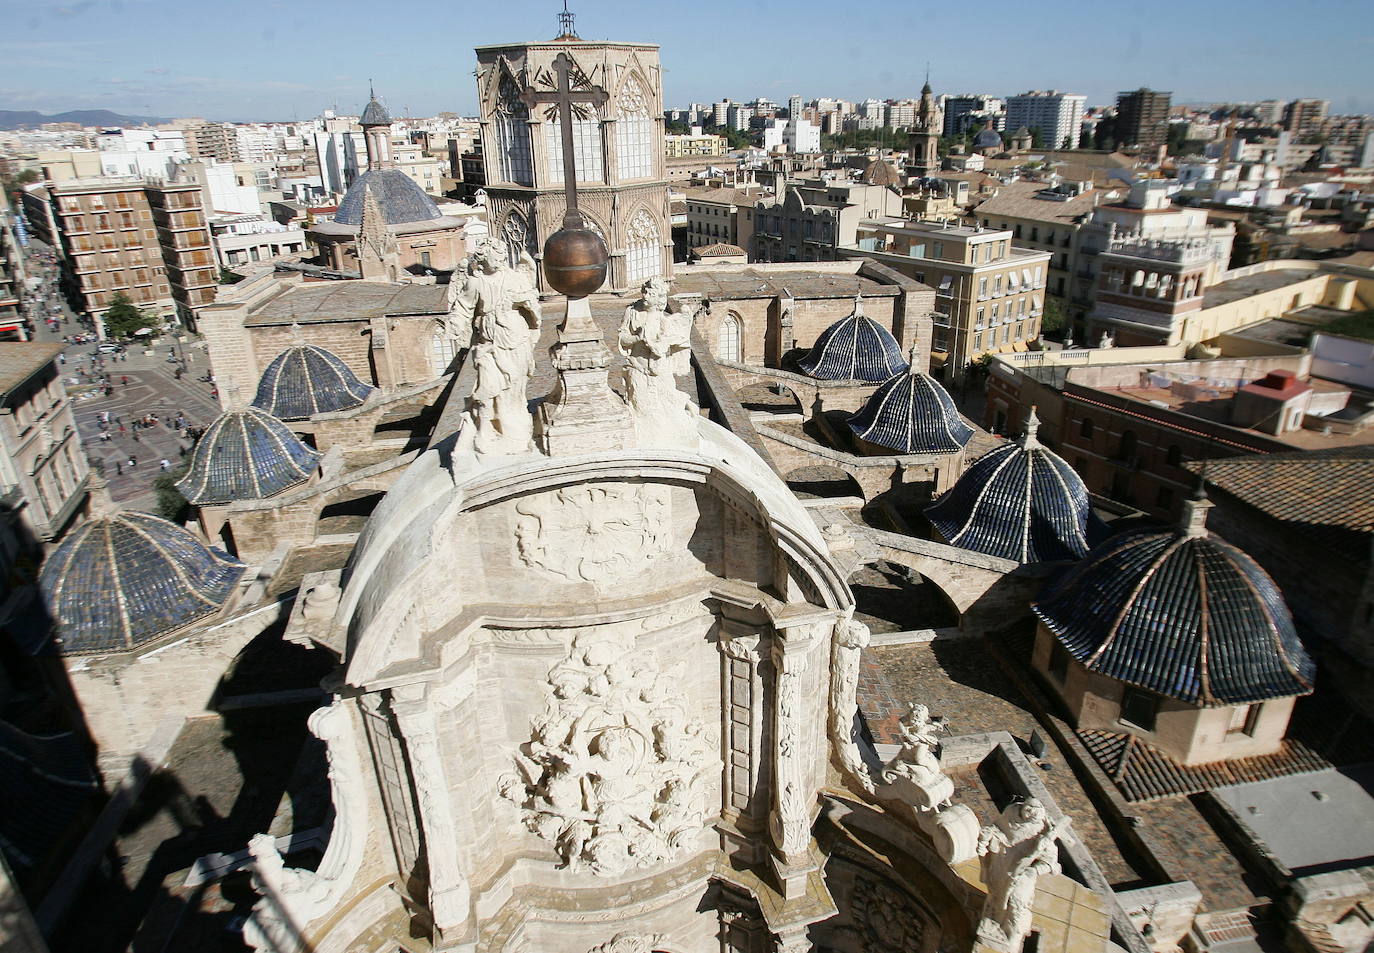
(630, 943)
(599, 533)
(885, 918)
(611, 773)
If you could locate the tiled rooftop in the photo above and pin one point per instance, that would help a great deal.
(348, 301)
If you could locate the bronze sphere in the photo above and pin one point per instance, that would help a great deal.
(575, 259)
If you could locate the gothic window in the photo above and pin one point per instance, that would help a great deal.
(728, 339)
(634, 133)
(513, 160)
(516, 232)
(586, 148)
(643, 256)
(444, 349)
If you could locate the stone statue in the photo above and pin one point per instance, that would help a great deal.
(917, 759)
(502, 307)
(656, 342)
(1014, 853)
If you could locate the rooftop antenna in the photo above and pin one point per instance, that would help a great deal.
(566, 30)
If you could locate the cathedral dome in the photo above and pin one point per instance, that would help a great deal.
(120, 581)
(911, 413)
(854, 348)
(374, 114)
(988, 138)
(882, 172)
(1020, 501)
(1182, 614)
(246, 455)
(399, 198)
(305, 380)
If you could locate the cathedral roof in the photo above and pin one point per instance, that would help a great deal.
(854, 348)
(1182, 614)
(305, 380)
(400, 199)
(718, 250)
(911, 413)
(246, 455)
(1020, 501)
(119, 581)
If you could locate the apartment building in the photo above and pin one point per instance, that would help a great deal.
(989, 295)
(720, 215)
(1142, 117)
(148, 240)
(12, 326)
(814, 218)
(43, 472)
(1057, 115)
(697, 144)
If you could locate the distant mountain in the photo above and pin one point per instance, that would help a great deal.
(28, 119)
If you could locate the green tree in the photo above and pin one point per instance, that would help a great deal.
(171, 505)
(1037, 137)
(227, 277)
(1085, 139)
(124, 318)
(1067, 143)
(1054, 320)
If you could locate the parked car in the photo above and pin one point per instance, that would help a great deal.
(109, 347)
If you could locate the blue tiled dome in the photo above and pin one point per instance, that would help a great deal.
(246, 455)
(305, 380)
(1181, 614)
(119, 581)
(987, 139)
(911, 413)
(854, 348)
(399, 198)
(1019, 501)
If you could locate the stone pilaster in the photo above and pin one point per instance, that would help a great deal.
(792, 794)
(449, 891)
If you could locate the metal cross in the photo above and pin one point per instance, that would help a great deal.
(563, 98)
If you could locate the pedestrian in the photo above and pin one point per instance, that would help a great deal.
(135, 436)
(124, 379)
(119, 468)
(121, 428)
(61, 358)
(164, 464)
(133, 461)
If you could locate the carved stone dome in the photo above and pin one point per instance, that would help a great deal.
(305, 380)
(122, 580)
(246, 455)
(911, 413)
(854, 348)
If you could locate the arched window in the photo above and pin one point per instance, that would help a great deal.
(728, 338)
(516, 232)
(634, 130)
(1175, 456)
(643, 256)
(1126, 448)
(443, 350)
(1085, 428)
(586, 149)
(513, 136)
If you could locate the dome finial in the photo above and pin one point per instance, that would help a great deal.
(1193, 521)
(1030, 439)
(859, 305)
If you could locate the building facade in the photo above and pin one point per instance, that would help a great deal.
(622, 188)
(989, 295)
(149, 241)
(811, 219)
(1057, 115)
(43, 472)
(1142, 117)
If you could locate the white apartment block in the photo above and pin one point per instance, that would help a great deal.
(1057, 115)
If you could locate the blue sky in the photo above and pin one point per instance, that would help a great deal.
(270, 59)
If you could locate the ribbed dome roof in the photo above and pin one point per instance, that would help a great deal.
(304, 380)
(1019, 501)
(882, 172)
(911, 413)
(119, 581)
(854, 348)
(987, 138)
(1182, 614)
(374, 114)
(246, 455)
(399, 198)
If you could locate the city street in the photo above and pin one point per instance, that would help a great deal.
(151, 389)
